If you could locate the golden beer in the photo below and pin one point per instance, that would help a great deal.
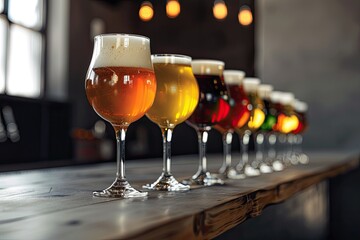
(177, 94)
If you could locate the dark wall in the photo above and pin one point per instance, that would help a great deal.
(42, 131)
(313, 49)
(194, 32)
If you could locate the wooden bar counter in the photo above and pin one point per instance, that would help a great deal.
(57, 203)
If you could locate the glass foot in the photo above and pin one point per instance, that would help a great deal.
(167, 183)
(120, 189)
(231, 173)
(303, 158)
(278, 166)
(264, 168)
(251, 172)
(204, 179)
(247, 170)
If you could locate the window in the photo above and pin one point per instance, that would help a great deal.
(3, 34)
(21, 47)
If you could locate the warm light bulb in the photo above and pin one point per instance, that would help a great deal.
(172, 8)
(220, 10)
(146, 11)
(245, 16)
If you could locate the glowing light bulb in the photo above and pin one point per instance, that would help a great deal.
(172, 8)
(146, 11)
(245, 16)
(220, 10)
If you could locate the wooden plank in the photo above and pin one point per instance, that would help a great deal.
(61, 200)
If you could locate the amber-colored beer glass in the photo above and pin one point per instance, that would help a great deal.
(120, 86)
(212, 108)
(238, 116)
(177, 95)
(287, 121)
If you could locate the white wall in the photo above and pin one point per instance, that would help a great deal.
(312, 48)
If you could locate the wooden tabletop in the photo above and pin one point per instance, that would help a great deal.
(57, 203)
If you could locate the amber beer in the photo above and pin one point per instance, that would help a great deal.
(177, 91)
(239, 110)
(120, 86)
(257, 113)
(121, 95)
(120, 90)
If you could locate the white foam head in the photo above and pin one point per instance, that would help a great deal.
(300, 106)
(121, 50)
(287, 98)
(275, 96)
(207, 67)
(234, 77)
(171, 59)
(264, 91)
(251, 84)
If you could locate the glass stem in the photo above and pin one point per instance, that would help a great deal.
(227, 140)
(202, 138)
(120, 154)
(167, 135)
(244, 146)
(299, 142)
(259, 147)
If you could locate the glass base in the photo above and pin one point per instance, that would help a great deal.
(204, 179)
(167, 183)
(303, 158)
(264, 168)
(277, 166)
(248, 170)
(231, 173)
(120, 189)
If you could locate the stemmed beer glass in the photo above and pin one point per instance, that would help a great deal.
(238, 116)
(120, 86)
(212, 108)
(300, 111)
(257, 117)
(177, 95)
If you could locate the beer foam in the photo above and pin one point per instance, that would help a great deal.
(275, 96)
(234, 77)
(300, 106)
(251, 84)
(121, 50)
(207, 67)
(264, 91)
(287, 98)
(171, 58)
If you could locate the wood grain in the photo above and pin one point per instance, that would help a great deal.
(57, 203)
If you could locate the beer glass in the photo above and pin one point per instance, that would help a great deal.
(264, 165)
(300, 111)
(120, 86)
(177, 95)
(257, 117)
(275, 109)
(286, 122)
(212, 108)
(238, 116)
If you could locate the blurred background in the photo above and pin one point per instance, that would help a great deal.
(311, 48)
